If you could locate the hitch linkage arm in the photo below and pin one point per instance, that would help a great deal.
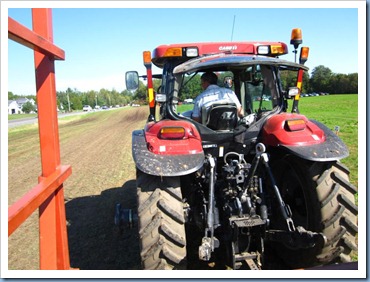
(285, 209)
(262, 155)
(209, 242)
(294, 237)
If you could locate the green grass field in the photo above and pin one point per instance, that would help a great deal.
(20, 116)
(341, 111)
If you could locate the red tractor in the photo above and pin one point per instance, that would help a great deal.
(266, 191)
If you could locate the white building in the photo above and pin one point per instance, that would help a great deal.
(23, 101)
(13, 107)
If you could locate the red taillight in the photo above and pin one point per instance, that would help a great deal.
(172, 133)
(296, 124)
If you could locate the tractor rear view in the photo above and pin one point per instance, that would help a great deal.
(266, 191)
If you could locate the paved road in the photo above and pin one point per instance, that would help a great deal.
(24, 121)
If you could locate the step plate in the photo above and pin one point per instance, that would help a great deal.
(246, 221)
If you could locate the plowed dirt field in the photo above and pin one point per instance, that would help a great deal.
(98, 147)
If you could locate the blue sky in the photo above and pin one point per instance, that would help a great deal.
(101, 44)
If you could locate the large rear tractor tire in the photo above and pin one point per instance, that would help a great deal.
(161, 222)
(322, 200)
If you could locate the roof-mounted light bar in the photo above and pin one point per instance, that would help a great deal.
(173, 52)
(192, 52)
(272, 50)
(180, 52)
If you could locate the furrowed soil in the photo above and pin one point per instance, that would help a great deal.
(98, 147)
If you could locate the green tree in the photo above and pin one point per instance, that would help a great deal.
(76, 102)
(339, 84)
(289, 79)
(157, 84)
(141, 93)
(320, 79)
(353, 83)
(191, 87)
(11, 96)
(28, 107)
(92, 98)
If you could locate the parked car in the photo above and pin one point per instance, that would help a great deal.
(189, 101)
(87, 108)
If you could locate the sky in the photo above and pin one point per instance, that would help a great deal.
(102, 43)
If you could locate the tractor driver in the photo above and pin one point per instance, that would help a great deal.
(213, 94)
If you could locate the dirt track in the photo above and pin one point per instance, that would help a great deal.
(103, 173)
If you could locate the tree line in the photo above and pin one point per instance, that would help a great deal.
(72, 99)
(322, 79)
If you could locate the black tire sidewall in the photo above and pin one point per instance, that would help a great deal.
(284, 169)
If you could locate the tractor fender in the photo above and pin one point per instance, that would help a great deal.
(330, 148)
(178, 164)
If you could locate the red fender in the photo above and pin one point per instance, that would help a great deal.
(181, 138)
(291, 130)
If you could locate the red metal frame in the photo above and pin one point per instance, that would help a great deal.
(48, 195)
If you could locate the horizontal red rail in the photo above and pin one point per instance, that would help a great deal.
(31, 201)
(26, 37)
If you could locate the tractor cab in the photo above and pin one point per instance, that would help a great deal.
(254, 79)
(250, 69)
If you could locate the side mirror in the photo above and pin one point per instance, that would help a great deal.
(228, 82)
(132, 80)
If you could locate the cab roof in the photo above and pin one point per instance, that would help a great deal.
(186, 51)
(228, 61)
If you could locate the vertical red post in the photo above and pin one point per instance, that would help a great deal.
(299, 85)
(151, 96)
(54, 252)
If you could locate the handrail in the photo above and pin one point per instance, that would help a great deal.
(31, 201)
(21, 34)
(48, 195)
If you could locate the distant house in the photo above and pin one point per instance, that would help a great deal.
(23, 101)
(13, 107)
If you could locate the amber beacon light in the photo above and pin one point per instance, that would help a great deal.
(296, 40)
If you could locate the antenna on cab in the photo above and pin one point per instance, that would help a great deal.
(232, 31)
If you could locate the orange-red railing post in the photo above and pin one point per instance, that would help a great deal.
(48, 195)
(51, 211)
